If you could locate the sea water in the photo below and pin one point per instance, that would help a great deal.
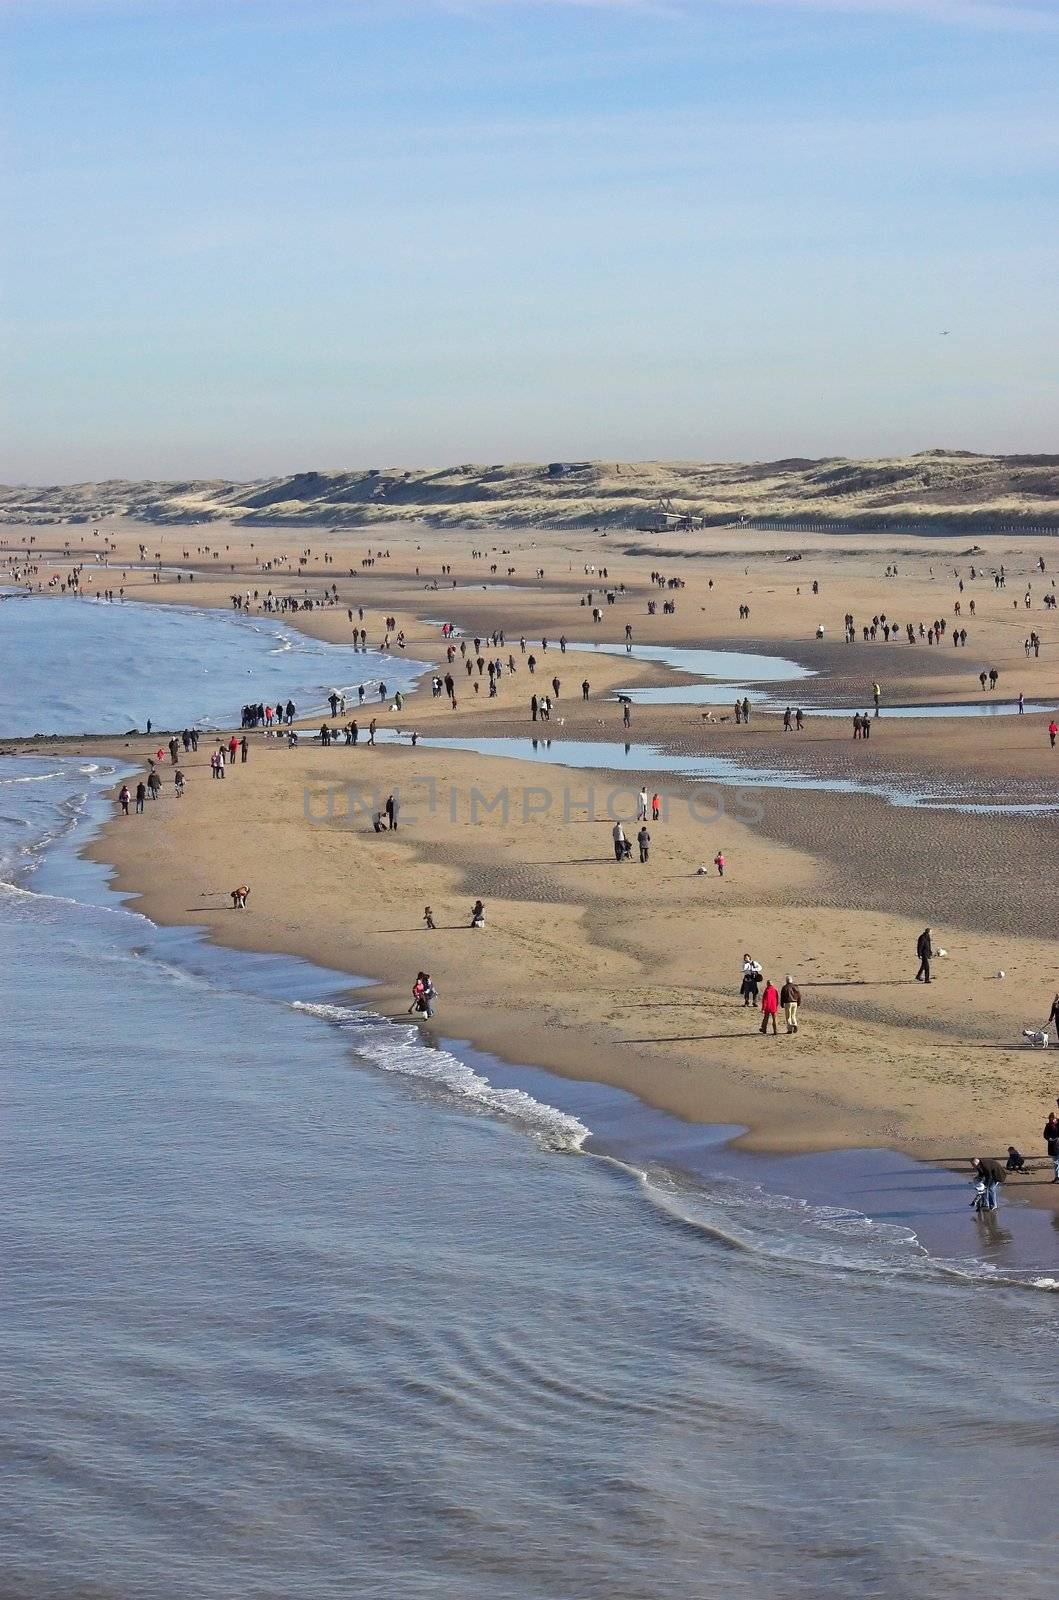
(73, 666)
(297, 1305)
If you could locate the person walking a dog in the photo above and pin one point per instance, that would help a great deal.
(925, 952)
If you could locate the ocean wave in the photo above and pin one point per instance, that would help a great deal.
(398, 1048)
(31, 898)
(744, 1217)
(33, 777)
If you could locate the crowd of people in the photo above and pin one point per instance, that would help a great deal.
(486, 660)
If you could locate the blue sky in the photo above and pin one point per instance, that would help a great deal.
(244, 237)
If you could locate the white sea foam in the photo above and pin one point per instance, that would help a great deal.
(33, 777)
(395, 1047)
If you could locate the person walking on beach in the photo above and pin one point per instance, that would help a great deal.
(371, 731)
(643, 839)
(770, 1004)
(123, 799)
(876, 694)
(925, 952)
(141, 796)
(621, 844)
(1051, 1143)
(1053, 729)
(641, 806)
(790, 1000)
(787, 720)
(244, 746)
(1053, 1016)
(428, 918)
(154, 784)
(718, 862)
(478, 914)
(626, 715)
(585, 687)
(392, 807)
(988, 1170)
(656, 807)
(178, 782)
(423, 995)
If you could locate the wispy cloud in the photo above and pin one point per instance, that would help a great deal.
(1017, 15)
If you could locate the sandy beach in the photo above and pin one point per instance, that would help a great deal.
(628, 974)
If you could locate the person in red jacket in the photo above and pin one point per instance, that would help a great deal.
(770, 1004)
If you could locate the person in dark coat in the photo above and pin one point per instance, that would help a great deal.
(1051, 1143)
(925, 952)
(988, 1170)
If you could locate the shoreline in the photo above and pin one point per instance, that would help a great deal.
(656, 1148)
(789, 1116)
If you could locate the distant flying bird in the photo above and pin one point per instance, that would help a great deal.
(944, 334)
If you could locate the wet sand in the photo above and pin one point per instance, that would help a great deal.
(628, 974)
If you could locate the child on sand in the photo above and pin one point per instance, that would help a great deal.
(428, 917)
(240, 896)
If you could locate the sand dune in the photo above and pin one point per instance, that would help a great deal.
(932, 491)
